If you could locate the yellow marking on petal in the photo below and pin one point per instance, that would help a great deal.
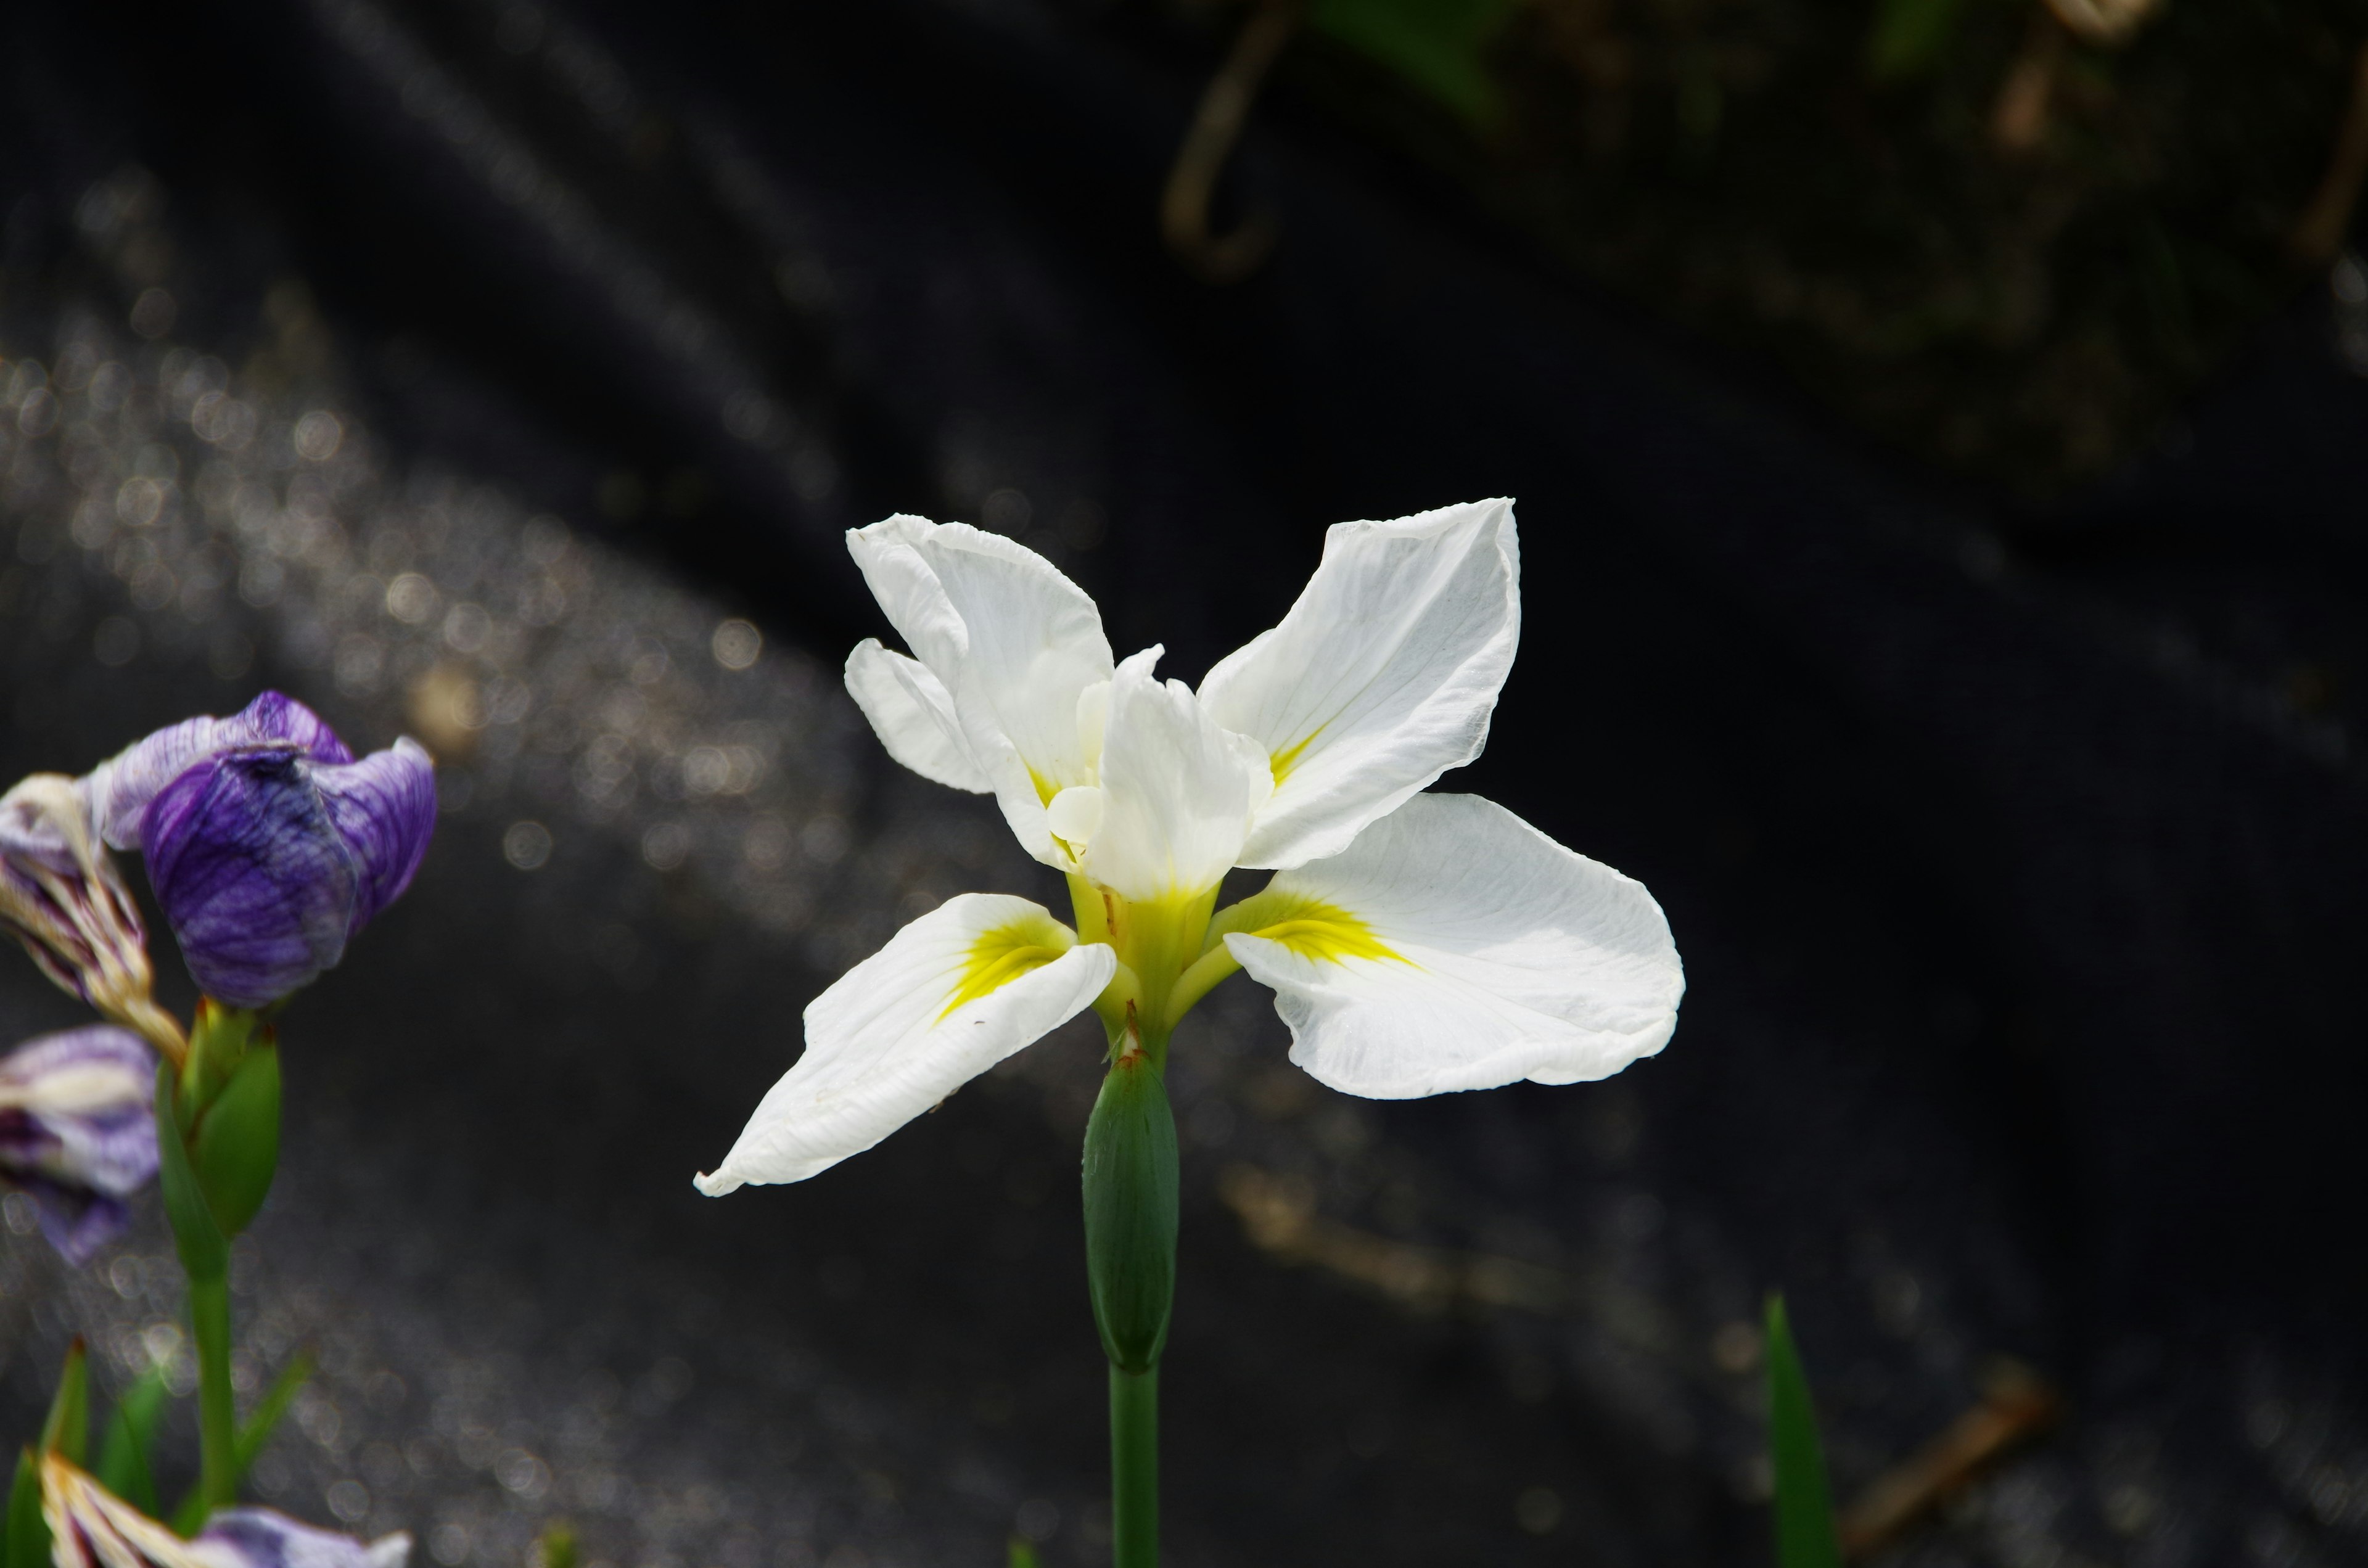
(1045, 788)
(999, 956)
(1315, 929)
(1280, 763)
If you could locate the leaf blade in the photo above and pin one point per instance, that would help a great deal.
(1806, 1537)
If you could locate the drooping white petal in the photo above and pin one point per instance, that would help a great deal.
(1014, 644)
(950, 995)
(1381, 678)
(913, 714)
(1455, 947)
(1177, 789)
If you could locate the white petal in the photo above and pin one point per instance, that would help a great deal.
(1014, 643)
(950, 995)
(1176, 791)
(1474, 952)
(1381, 678)
(1076, 813)
(913, 714)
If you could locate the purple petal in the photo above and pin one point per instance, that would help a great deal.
(121, 789)
(258, 1538)
(31, 827)
(385, 807)
(252, 873)
(76, 1223)
(77, 1131)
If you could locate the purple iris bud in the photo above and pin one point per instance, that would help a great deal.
(92, 1527)
(78, 1130)
(120, 789)
(267, 845)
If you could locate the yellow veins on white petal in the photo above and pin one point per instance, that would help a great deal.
(1001, 954)
(1310, 927)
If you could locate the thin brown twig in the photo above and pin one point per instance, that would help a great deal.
(1216, 125)
(2016, 1406)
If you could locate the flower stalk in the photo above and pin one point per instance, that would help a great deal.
(218, 1133)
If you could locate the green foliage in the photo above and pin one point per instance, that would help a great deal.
(205, 1252)
(1023, 1555)
(237, 1146)
(1131, 1210)
(67, 1430)
(191, 1517)
(27, 1534)
(1437, 46)
(123, 1452)
(1910, 35)
(556, 1546)
(1805, 1507)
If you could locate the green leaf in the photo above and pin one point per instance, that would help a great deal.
(1022, 1554)
(29, 1533)
(274, 1404)
(1805, 1507)
(1131, 1208)
(237, 1148)
(190, 1516)
(556, 1547)
(205, 1255)
(67, 1431)
(123, 1464)
(1437, 46)
(1910, 35)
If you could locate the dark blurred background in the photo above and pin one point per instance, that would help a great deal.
(1946, 604)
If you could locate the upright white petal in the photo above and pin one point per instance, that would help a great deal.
(1381, 678)
(950, 995)
(913, 714)
(1176, 791)
(1014, 643)
(1456, 946)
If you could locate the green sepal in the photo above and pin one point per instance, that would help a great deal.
(29, 1533)
(67, 1430)
(1804, 1507)
(191, 1517)
(1130, 1212)
(205, 1253)
(237, 1146)
(123, 1463)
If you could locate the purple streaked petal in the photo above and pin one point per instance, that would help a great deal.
(77, 1131)
(92, 1527)
(252, 873)
(385, 807)
(121, 789)
(76, 1223)
(259, 1538)
(33, 828)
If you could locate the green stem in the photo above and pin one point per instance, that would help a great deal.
(1135, 1467)
(217, 1418)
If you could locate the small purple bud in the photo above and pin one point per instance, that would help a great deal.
(92, 1527)
(268, 859)
(78, 1130)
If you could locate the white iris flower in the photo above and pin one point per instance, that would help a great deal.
(1416, 943)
